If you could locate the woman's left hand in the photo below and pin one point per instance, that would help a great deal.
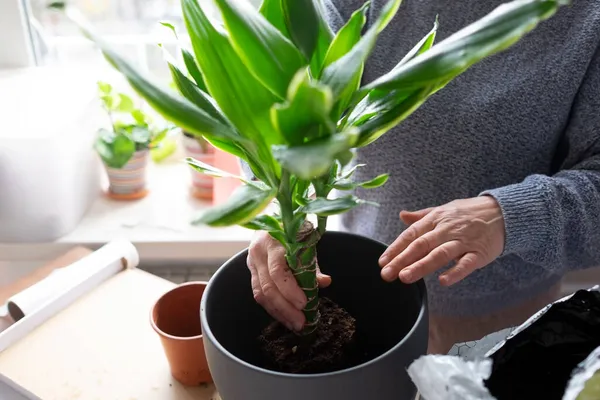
(469, 232)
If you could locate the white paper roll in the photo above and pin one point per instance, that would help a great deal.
(36, 304)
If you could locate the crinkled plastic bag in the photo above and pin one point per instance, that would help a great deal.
(544, 358)
(451, 378)
(585, 380)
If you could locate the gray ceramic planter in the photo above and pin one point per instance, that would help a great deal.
(391, 318)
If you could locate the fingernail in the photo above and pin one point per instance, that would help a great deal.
(300, 304)
(445, 280)
(405, 276)
(383, 260)
(289, 326)
(298, 326)
(388, 273)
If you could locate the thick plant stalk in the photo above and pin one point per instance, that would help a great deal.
(305, 272)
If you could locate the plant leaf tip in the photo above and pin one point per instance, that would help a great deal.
(57, 5)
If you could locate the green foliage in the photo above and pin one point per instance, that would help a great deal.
(132, 129)
(279, 89)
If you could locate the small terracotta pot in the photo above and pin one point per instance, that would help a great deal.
(201, 150)
(129, 182)
(176, 319)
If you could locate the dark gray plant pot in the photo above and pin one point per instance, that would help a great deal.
(392, 317)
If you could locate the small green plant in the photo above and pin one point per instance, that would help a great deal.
(131, 129)
(279, 89)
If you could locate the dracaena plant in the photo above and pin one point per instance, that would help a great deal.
(278, 88)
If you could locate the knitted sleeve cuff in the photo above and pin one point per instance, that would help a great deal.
(527, 215)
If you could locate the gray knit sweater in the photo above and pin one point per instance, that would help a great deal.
(523, 126)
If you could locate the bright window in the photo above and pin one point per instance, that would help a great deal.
(132, 25)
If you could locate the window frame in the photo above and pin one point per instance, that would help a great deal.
(18, 51)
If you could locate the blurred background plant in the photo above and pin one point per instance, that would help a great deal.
(131, 130)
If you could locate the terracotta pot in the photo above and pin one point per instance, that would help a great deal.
(201, 150)
(129, 182)
(175, 318)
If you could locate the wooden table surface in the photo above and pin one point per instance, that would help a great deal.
(101, 348)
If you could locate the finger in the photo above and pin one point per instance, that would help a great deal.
(409, 235)
(418, 249)
(463, 268)
(324, 280)
(410, 217)
(260, 298)
(438, 258)
(273, 301)
(283, 277)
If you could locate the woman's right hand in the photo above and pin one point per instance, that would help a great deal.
(273, 283)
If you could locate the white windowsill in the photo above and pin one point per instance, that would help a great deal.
(158, 225)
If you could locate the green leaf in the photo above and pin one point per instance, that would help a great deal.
(172, 107)
(348, 35)
(243, 99)
(493, 33)
(324, 39)
(424, 44)
(377, 101)
(108, 101)
(104, 88)
(193, 70)
(346, 71)
(161, 151)
(327, 207)
(345, 157)
(300, 191)
(188, 60)
(314, 159)
(192, 92)
(351, 171)
(139, 116)
(170, 26)
(205, 102)
(272, 10)
(346, 184)
(241, 207)
(212, 171)
(159, 135)
(302, 21)
(57, 5)
(125, 103)
(115, 149)
(271, 57)
(141, 135)
(264, 223)
(306, 110)
(392, 113)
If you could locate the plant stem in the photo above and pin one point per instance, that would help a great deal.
(306, 275)
(301, 254)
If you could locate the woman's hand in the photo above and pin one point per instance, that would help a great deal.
(273, 283)
(469, 232)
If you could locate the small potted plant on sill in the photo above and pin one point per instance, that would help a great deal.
(125, 148)
(279, 89)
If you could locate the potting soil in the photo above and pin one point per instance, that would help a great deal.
(333, 347)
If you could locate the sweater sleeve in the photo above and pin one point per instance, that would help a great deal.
(554, 221)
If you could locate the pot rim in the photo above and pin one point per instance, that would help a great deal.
(162, 333)
(207, 331)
